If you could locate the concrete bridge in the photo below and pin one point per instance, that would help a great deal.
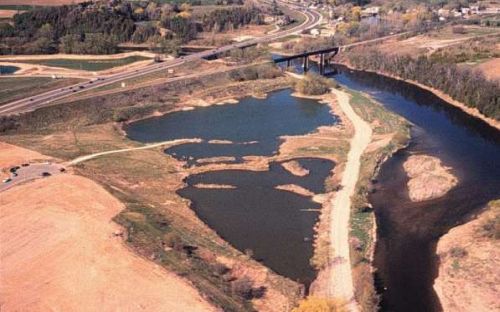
(324, 59)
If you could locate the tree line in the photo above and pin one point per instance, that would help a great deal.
(98, 28)
(462, 84)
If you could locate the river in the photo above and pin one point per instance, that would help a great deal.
(408, 232)
(274, 224)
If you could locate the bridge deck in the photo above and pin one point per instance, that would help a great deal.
(291, 57)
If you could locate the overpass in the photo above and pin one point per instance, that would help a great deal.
(325, 55)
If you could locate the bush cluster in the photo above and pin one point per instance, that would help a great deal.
(314, 84)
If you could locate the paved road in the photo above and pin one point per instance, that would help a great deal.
(32, 172)
(313, 18)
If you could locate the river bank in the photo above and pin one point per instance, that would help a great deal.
(405, 228)
(445, 97)
(469, 266)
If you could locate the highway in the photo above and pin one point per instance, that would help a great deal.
(313, 18)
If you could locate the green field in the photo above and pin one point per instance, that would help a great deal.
(20, 7)
(89, 65)
(12, 89)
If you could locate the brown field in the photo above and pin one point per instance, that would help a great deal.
(469, 264)
(7, 13)
(432, 41)
(39, 2)
(491, 68)
(59, 251)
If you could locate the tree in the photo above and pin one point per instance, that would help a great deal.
(242, 287)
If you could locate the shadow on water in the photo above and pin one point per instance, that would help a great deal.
(405, 254)
(276, 225)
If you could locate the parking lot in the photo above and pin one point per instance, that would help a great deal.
(27, 172)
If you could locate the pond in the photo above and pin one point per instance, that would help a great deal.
(274, 225)
(8, 70)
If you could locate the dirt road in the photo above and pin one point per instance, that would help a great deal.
(340, 281)
(166, 143)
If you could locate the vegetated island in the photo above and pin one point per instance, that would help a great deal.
(428, 177)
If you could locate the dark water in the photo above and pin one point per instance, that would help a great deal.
(408, 232)
(7, 69)
(256, 121)
(277, 226)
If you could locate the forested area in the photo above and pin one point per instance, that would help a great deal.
(98, 27)
(462, 84)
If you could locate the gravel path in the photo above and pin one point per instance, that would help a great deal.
(340, 281)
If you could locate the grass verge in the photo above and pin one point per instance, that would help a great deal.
(15, 88)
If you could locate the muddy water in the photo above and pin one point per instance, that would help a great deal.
(276, 226)
(408, 232)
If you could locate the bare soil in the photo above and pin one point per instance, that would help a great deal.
(491, 68)
(61, 251)
(295, 168)
(7, 13)
(428, 177)
(469, 266)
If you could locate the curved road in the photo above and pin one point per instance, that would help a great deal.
(313, 18)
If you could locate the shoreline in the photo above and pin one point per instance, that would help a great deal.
(474, 112)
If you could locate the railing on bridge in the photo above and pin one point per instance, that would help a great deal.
(325, 56)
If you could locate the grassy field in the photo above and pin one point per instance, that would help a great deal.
(16, 7)
(88, 65)
(12, 89)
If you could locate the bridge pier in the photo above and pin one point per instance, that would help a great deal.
(322, 64)
(306, 64)
(325, 56)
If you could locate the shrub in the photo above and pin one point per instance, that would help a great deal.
(314, 84)
(458, 252)
(253, 73)
(220, 269)
(315, 304)
(243, 288)
(491, 228)
(459, 30)
(173, 241)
